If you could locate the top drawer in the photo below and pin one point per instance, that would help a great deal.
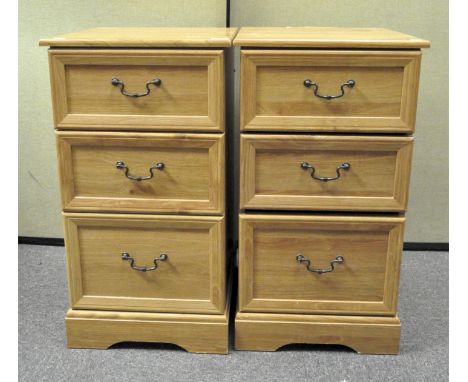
(187, 92)
(342, 91)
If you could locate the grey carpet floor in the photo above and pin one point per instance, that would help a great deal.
(43, 356)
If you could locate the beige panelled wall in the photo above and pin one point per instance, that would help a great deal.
(428, 206)
(39, 209)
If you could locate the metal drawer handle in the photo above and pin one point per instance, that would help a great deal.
(348, 84)
(116, 82)
(302, 259)
(344, 166)
(127, 257)
(122, 166)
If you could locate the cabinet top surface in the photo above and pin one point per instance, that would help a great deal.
(145, 37)
(323, 37)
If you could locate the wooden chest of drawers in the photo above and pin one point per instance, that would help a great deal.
(140, 125)
(326, 121)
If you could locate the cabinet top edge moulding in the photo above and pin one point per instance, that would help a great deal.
(327, 37)
(142, 37)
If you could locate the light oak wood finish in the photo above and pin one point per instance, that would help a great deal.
(366, 283)
(192, 180)
(191, 280)
(190, 97)
(327, 37)
(142, 37)
(274, 98)
(282, 298)
(272, 177)
(269, 332)
(196, 333)
(143, 173)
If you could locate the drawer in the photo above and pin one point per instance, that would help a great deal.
(364, 281)
(180, 173)
(284, 90)
(342, 173)
(189, 253)
(188, 97)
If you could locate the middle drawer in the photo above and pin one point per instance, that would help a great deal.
(142, 172)
(322, 172)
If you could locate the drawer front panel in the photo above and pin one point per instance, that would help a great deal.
(274, 95)
(185, 171)
(271, 279)
(189, 97)
(191, 279)
(297, 172)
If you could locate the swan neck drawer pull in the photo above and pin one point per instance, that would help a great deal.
(120, 165)
(344, 166)
(302, 259)
(348, 84)
(126, 257)
(116, 82)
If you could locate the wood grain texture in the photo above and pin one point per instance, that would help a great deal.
(271, 280)
(274, 98)
(196, 333)
(326, 37)
(191, 280)
(271, 176)
(98, 330)
(192, 180)
(269, 332)
(190, 97)
(280, 301)
(183, 301)
(145, 37)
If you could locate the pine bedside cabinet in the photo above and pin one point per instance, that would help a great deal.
(139, 115)
(327, 117)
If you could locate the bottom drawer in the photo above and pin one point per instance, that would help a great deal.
(190, 262)
(319, 264)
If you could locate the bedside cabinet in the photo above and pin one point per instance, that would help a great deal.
(140, 123)
(327, 117)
